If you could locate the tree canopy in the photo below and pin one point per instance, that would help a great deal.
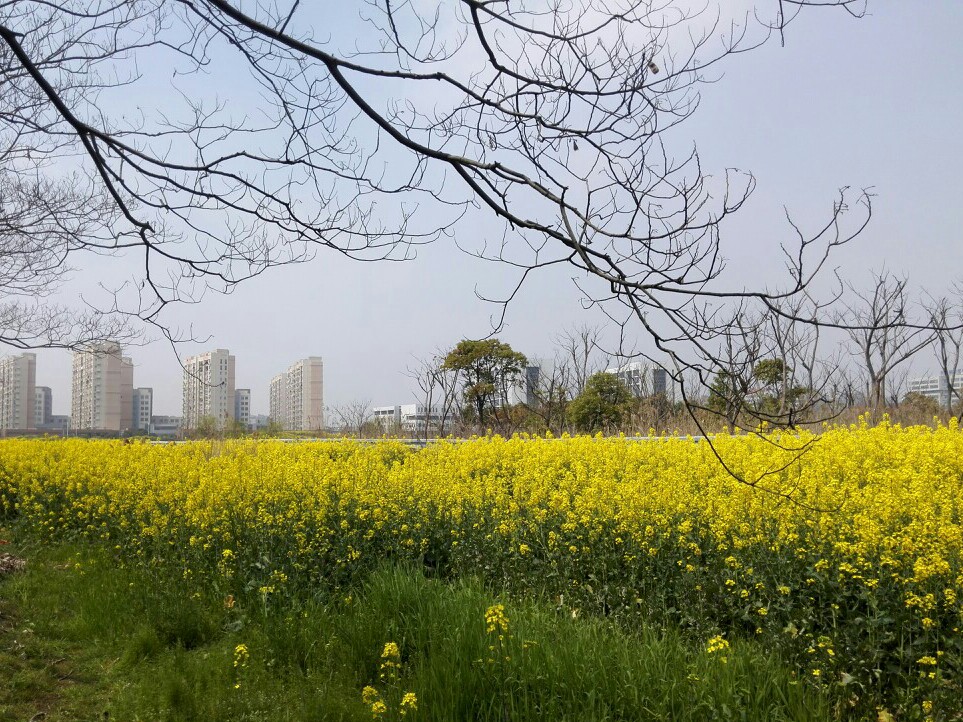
(604, 405)
(488, 368)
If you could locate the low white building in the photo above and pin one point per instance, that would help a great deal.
(937, 388)
(387, 417)
(56, 424)
(168, 427)
(411, 419)
(258, 422)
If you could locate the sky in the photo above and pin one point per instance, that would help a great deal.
(875, 102)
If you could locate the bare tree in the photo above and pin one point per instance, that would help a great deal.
(804, 388)
(354, 417)
(946, 318)
(438, 390)
(552, 121)
(44, 225)
(883, 332)
(424, 373)
(550, 394)
(738, 351)
(896, 385)
(579, 352)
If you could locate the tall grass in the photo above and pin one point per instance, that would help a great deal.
(149, 648)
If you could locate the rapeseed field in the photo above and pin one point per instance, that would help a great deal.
(840, 551)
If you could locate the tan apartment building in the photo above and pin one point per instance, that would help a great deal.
(297, 396)
(102, 389)
(209, 388)
(18, 395)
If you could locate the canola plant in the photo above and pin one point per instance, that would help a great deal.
(840, 551)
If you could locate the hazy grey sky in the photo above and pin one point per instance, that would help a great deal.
(872, 102)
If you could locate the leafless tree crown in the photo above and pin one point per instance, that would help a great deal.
(554, 118)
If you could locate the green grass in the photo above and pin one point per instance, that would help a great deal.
(83, 639)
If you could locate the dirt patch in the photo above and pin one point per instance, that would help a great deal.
(10, 564)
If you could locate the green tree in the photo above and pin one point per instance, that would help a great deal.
(207, 428)
(920, 408)
(488, 367)
(778, 396)
(235, 429)
(771, 372)
(273, 429)
(605, 403)
(727, 392)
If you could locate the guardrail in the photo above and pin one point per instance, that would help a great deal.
(417, 443)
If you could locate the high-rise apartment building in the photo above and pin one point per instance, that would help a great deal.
(43, 411)
(102, 389)
(18, 378)
(142, 408)
(242, 407)
(297, 396)
(209, 388)
(277, 403)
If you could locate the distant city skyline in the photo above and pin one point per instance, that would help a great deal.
(922, 370)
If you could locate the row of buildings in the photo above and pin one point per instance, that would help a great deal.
(105, 400)
(296, 395)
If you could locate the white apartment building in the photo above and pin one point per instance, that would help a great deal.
(410, 419)
(209, 388)
(297, 396)
(43, 410)
(643, 379)
(18, 396)
(142, 409)
(102, 389)
(277, 402)
(936, 387)
(242, 406)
